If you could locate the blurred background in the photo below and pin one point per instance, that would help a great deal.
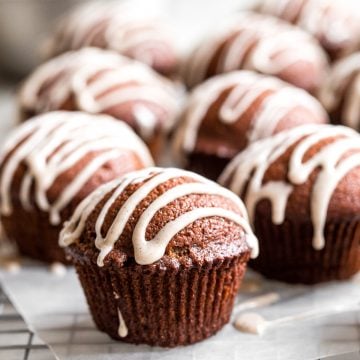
(24, 25)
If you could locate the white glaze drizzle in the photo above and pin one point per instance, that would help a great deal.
(58, 269)
(53, 143)
(254, 323)
(333, 23)
(275, 45)
(99, 80)
(249, 167)
(123, 330)
(62, 69)
(124, 28)
(343, 84)
(246, 87)
(149, 251)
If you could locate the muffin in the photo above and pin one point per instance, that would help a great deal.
(340, 93)
(302, 191)
(49, 164)
(160, 254)
(118, 26)
(261, 43)
(335, 24)
(99, 81)
(227, 112)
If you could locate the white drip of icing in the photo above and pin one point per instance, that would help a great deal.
(260, 43)
(12, 266)
(254, 323)
(53, 143)
(334, 24)
(58, 269)
(123, 330)
(245, 87)
(343, 84)
(248, 169)
(99, 80)
(149, 251)
(121, 26)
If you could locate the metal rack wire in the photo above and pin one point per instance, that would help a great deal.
(17, 341)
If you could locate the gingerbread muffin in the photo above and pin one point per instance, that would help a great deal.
(334, 23)
(340, 93)
(160, 254)
(302, 190)
(119, 26)
(49, 164)
(99, 81)
(261, 43)
(229, 111)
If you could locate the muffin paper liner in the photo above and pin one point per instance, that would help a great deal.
(210, 166)
(160, 306)
(287, 253)
(34, 236)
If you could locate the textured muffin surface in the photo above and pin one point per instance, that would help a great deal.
(335, 24)
(102, 82)
(340, 92)
(120, 27)
(160, 254)
(181, 193)
(229, 111)
(301, 162)
(50, 163)
(301, 189)
(260, 43)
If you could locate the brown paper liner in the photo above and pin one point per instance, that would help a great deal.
(164, 307)
(287, 253)
(34, 236)
(156, 145)
(210, 166)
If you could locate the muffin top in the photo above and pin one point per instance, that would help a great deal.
(118, 26)
(333, 23)
(340, 93)
(309, 172)
(56, 159)
(99, 81)
(167, 215)
(261, 43)
(227, 112)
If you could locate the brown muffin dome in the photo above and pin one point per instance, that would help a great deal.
(229, 111)
(50, 163)
(160, 226)
(117, 26)
(334, 23)
(302, 191)
(99, 81)
(261, 43)
(340, 93)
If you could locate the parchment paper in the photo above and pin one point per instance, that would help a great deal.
(56, 309)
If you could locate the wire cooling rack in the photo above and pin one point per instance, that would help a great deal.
(17, 341)
(57, 311)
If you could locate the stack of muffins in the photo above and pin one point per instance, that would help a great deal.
(161, 252)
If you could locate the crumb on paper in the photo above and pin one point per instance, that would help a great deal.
(58, 269)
